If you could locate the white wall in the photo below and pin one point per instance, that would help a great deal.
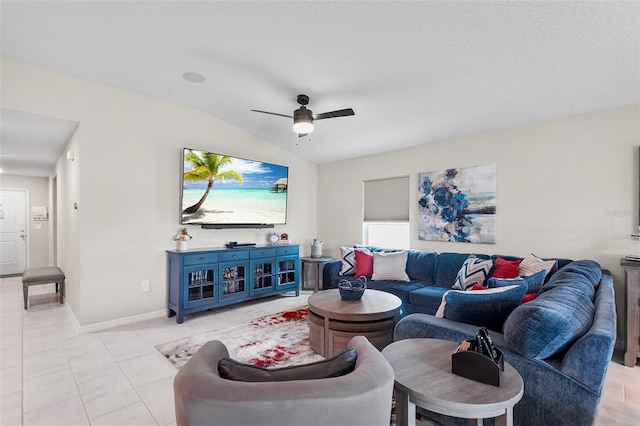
(126, 178)
(38, 196)
(565, 188)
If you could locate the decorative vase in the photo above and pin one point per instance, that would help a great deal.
(183, 245)
(316, 248)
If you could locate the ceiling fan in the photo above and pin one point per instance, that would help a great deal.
(303, 118)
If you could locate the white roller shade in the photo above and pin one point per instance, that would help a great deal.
(386, 199)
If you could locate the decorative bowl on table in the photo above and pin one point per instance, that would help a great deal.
(352, 290)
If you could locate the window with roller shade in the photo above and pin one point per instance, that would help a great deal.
(386, 212)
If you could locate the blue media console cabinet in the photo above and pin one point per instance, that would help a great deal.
(201, 279)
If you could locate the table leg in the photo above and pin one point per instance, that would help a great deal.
(303, 275)
(328, 346)
(631, 339)
(405, 410)
(506, 419)
(316, 285)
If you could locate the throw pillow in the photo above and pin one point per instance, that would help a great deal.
(364, 263)
(348, 260)
(390, 266)
(479, 287)
(504, 268)
(494, 282)
(473, 271)
(482, 307)
(533, 282)
(339, 365)
(532, 264)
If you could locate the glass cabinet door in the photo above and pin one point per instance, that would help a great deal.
(262, 274)
(234, 280)
(287, 272)
(200, 287)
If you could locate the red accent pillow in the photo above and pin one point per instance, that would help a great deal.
(477, 286)
(505, 268)
(364, 264)
(528, 297)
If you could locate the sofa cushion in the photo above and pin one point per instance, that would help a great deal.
(473, 271)
(339, 365)
(481, 307)
(560, 315)
(550, 323)
(364, 263)
(421, 266)
(582, 275)
(390, 266)
(449, 265)
(401, 289)
(428, 298)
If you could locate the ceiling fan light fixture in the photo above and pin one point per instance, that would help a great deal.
(302, 120)
(302, 126)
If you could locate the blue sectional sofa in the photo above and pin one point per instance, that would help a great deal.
(561, 342)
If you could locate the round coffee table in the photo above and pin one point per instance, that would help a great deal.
(423, 378)
(333, 321)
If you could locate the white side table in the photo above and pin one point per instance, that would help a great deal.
(318, 262)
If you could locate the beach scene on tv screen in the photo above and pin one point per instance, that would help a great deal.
(221, 189)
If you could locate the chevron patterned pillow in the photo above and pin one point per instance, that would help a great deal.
(473, 271)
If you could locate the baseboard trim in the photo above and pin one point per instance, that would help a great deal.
(72, 317)
(99, 326)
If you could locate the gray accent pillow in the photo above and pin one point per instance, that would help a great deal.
(390, 266)
(341, 364)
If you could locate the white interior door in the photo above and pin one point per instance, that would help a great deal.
(13, 231)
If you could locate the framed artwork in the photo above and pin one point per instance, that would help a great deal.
(458, 205)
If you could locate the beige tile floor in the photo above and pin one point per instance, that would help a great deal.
(49, 375)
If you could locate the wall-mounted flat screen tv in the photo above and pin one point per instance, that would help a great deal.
(223, 191)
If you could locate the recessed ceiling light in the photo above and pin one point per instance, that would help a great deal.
(194, 77)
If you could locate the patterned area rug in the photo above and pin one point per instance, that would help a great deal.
(275, 340)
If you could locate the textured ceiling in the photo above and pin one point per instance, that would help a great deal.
(414, 72)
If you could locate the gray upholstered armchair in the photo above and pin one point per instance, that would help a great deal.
(362, 397)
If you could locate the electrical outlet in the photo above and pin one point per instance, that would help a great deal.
(145, 286)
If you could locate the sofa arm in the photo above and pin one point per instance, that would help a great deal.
(360, 398)
(595, 348)
(192, 385)
(424, 326)
(331, 274)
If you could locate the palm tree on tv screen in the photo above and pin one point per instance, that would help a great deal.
(207, 168)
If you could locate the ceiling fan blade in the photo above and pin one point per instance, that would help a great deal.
(332, 114)
(302, 135)
(272, 113)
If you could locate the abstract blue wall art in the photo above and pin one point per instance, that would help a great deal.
(458, 205)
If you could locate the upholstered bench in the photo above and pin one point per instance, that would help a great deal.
(37, 276)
